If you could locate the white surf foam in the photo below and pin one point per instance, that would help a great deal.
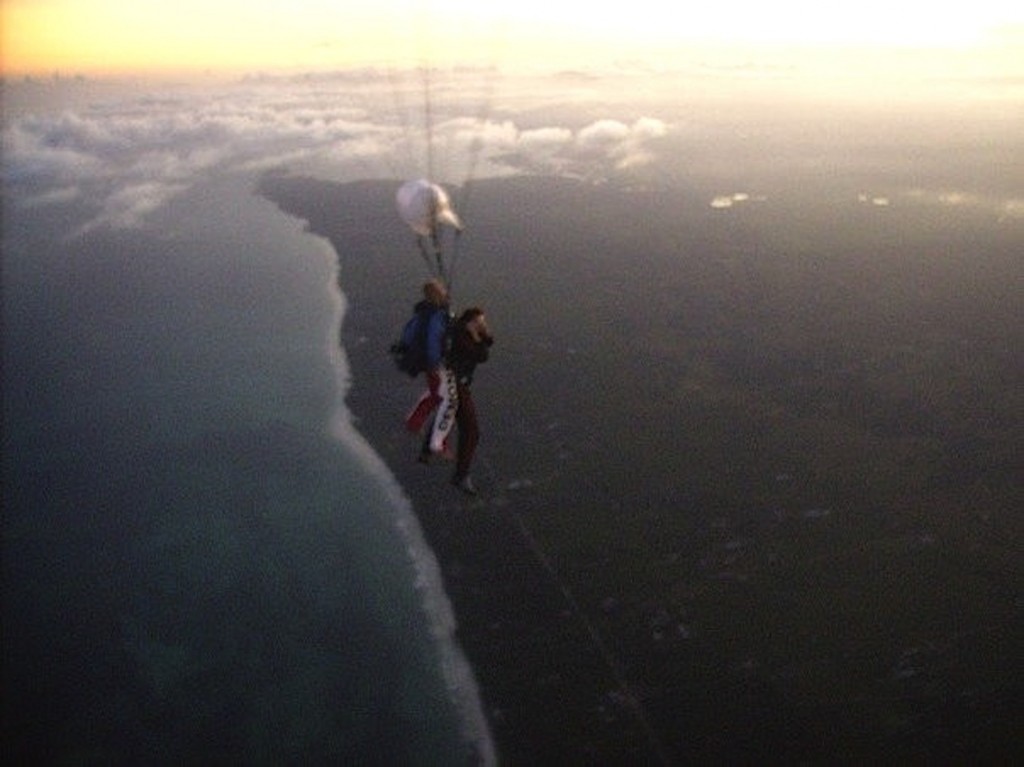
(457, 672)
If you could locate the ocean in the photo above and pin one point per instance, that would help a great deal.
(203, 561)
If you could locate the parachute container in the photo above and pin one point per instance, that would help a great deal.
(424, 206)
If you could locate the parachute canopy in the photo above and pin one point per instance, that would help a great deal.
(424, 206)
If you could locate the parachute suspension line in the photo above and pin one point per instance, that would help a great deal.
(428, 126)
(457, 238)
(432, 253)
(444, 263)
(485, 110)
(615, 668)
(421, 243)
(428, 120)
(476, 148)
(435, 238)
(475, 152)
(404, 115)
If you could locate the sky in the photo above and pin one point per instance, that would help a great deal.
(100, 37)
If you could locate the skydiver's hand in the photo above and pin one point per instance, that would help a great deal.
(478, 328)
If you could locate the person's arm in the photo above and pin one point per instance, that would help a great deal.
(478, 345)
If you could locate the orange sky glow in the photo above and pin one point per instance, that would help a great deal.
(114, 36)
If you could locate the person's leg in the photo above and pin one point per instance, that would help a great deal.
(469, 433)
(426, 404)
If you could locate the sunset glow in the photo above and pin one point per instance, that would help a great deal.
(104, 36)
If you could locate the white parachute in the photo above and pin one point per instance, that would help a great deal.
(426, 207)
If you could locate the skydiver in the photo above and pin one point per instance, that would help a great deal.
(471, 345)
(441, 391)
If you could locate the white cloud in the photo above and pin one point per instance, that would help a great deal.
(54, 196)
(126, 207)
(1002, 208)
(1013, 208)
(649, 127)
(33, 152)
(626, 146)
(603, 135)
(545, 140)
(723, 201)
(595, 151)
(130, 155)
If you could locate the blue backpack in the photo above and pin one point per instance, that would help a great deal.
(410, 351)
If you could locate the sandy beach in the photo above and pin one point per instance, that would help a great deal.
(731, 505)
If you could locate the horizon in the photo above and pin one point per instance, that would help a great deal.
(102, 38)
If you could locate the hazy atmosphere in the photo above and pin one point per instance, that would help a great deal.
(119, 36)
(749, 469)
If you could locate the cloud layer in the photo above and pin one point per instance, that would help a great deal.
(125, 155)
(129, 156)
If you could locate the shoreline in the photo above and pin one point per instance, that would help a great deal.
(704, 565)
(456, 670)
(503, 597)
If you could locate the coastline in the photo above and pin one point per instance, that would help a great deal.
(455, 667)
(547, 689)
(183, 587)
(703, 567)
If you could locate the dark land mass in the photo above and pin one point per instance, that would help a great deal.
(755, 471)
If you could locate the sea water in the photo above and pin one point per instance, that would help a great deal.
(203, 561)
